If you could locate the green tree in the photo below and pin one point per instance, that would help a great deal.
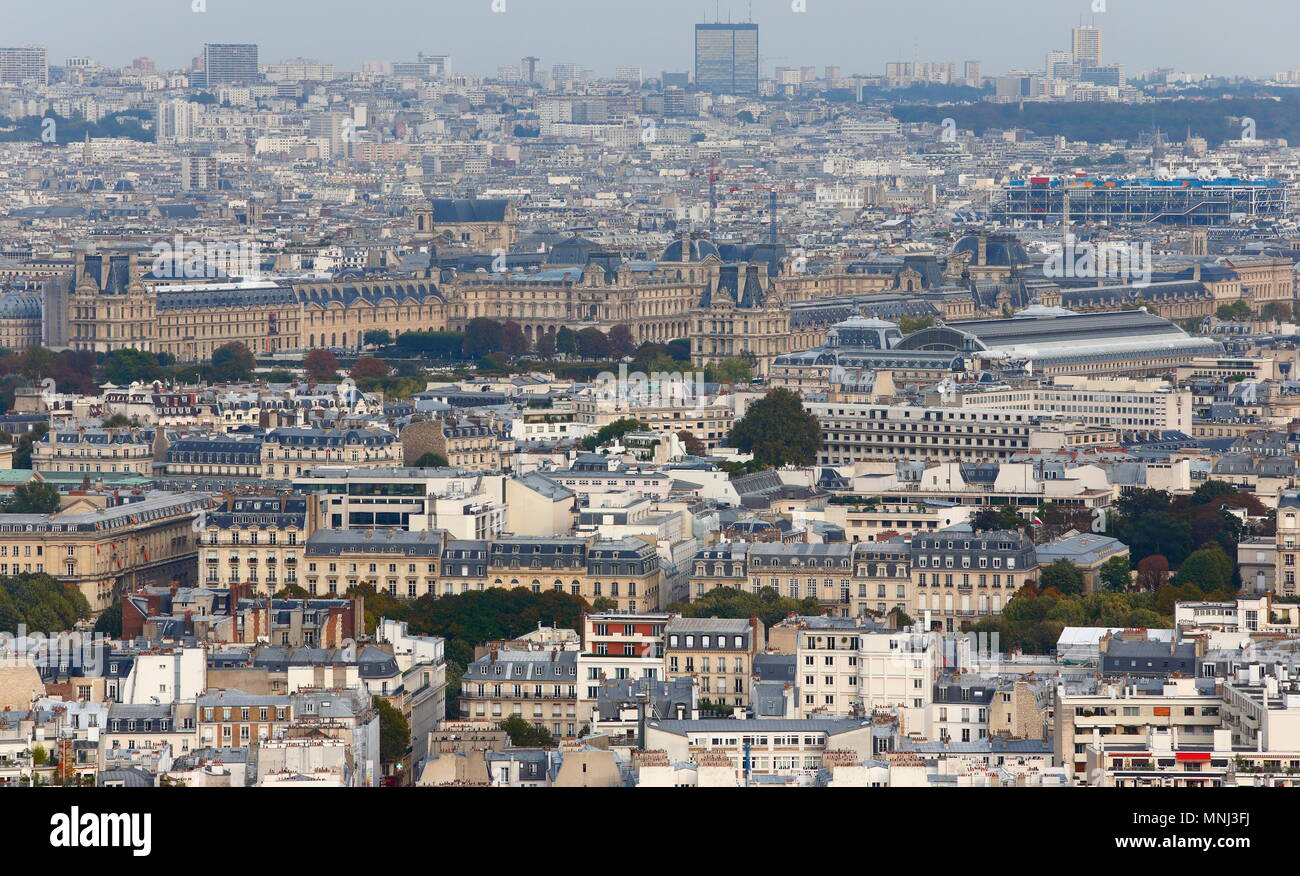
(902, 620)
(613, 432)
(377, 338)
(1116, 573)
(604, 603)
(33, 497)
(40, 602)
(1211, 490)
(109, 622)
(1277, 310)
(733, 369)
(117, 421)
(1145, 619)
(525, 735)
(1062, 575)
(23, 452)
(909, 324)
(768, 605)
(1208, 568)
(566, 341)
(483, 336)
(394, 732)
(233, 362)
(129, 365)
(996, 518)
(1236, 311)
(778, 430)
(431, 460)
(593, 344)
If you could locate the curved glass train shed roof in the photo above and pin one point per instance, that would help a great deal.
(1073, 337)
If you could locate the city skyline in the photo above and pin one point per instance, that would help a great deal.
(834, 32)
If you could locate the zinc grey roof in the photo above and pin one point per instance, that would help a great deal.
(544, 486)
(831, 726)
(1080, 549)
(327, 543)
(726, 626)
(775, 667)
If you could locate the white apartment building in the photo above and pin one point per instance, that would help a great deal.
(858, 432)
(1115, 402)
(1089, 712)
(1261, 706)
(844, 670)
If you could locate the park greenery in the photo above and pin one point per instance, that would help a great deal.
(39, 603)
(125, 124)
(613, 432)
(468, 619)
(1033, 619)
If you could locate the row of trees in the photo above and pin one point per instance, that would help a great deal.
(1034, 618)
(1240, 311)
(82, 371)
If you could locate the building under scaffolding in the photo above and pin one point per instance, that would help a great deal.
(1191, 202)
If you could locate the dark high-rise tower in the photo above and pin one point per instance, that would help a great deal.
(726, 58)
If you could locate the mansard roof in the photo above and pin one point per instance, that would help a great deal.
(373, 292)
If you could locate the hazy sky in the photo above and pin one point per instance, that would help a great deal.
(1250, 37)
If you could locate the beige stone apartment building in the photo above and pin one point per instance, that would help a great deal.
(718, 651)
(108, 550)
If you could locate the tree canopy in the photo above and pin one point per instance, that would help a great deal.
(1062, 575)
(33, 497)
(778, 430)
(40, 603)
(394, 732)
(525, 735)
(612, 432)
(233, 362)
(1032, 620)
(321, 366)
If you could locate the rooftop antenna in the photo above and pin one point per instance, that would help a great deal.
(713, 195)
(771, 216)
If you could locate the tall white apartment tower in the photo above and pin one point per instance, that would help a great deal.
(1087, 45)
